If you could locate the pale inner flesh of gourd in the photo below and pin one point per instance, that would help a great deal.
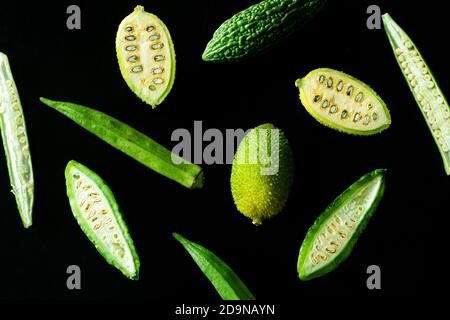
(146, 53)
(98, 216)
(342, 101)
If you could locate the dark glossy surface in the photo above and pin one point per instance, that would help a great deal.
(49, 60)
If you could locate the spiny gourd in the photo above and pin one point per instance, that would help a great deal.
(259, 27)
(342, 102)
(146, 56)
(262, 173)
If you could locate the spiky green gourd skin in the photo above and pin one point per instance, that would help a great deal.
(257, 196)
(255, 29)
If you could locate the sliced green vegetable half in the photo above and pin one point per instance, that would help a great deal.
(423, 85)
(334, 234)
(15, 142)
(132, 142)
(96, 211)
(226, 282)
(342, 102)
(146, 56)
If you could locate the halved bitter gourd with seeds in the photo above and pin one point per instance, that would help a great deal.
(98, 215)
(146, 56)
(334, 234)
(342, 102)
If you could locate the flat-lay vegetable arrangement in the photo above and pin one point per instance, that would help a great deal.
(323, 118)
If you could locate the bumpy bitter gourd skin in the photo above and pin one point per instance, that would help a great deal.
(146, 56)
(334, 234)
(15, 142)
(423, 85)
(260, 195)
(96, 211)
(342, 102)
(255, 29)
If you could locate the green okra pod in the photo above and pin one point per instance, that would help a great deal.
(226, 282)
(132, 142)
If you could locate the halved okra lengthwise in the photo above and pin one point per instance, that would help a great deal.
(334, 234)
(132, 142)
(15, 142)
(424, 87)
(96, 210)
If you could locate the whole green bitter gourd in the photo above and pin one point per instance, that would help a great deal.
(259, 27)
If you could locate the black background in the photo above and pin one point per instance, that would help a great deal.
(80, 66)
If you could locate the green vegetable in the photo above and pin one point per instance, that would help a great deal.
(146, 56)
(334, 234)
(15, 142)
(132, 142)
(259, 27)
(226, 282)
(99, 216)
(262, 173)
(424, 87)
(342, 102)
